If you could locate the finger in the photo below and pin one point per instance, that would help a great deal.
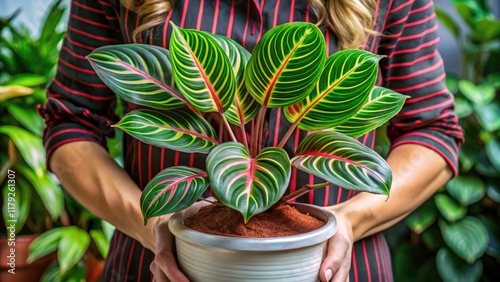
(342, 274)
(158, 275)
(338, 256)
(167, 263)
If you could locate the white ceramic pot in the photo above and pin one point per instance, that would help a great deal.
(205, 257)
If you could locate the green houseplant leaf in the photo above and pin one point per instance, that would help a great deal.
(286, 75)
(101, 241)
(249, 185)
(422, 217)
(181, 130)
(18, 209)
(72, 246)
(382, 105)
(244, 107)
(29, 145)
(202, 71)
(449, 208)
(45, 244)
(50, 193)
(468, 238)
(333, 100)
(138, 73)
(466, 189)
(453, 268)
(172, 190)
(343, 161)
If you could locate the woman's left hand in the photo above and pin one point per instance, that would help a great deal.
(337, 264)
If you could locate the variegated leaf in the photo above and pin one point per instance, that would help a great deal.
(180, 130)
(249, 185)
(285, 64)
(138, 73)
(343, 88)
(244, 107)
(343, 161)
(172, 190)
(382, 105)
(202, 70)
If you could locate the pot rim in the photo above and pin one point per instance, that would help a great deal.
(180, 231)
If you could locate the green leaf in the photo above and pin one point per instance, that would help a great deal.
(101, 241)
(244, 107)
(447, 21)
(462, 107)
(493, 233)
(29, 145)
(72, 247)
(172, 190)
(487, 29)
(27, 117)
(466, 189)
(453, 269)
(468, 155)
(422, 217)
(249, 185)
(202, 70)
(382, 105)
(484, 165)
(108, 229)
(16, 203)
(493, 191)
(432, 238)
(343, 88)
(488, 116)
(45, 244)
(468, 238)
(450, 209)
(287, 74)
(180, 130)
(138, 73)
(480, 95)
(27, 80)
(493, 152)
(50, 192)
(343, 161)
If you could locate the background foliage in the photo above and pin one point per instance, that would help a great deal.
(27, 64)
(455, 235)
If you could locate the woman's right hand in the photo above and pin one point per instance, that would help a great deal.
(164, 266)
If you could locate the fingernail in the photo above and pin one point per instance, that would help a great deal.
(328, 274)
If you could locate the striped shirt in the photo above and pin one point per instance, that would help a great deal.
(80, 107)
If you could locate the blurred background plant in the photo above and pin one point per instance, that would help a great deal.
(455, 236)
(68, 231)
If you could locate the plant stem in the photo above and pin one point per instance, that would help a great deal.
(303, 190)
(288, 134)
(244, 135)
(229, 130)
(256, 134)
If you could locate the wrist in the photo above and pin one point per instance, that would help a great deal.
(356, 215)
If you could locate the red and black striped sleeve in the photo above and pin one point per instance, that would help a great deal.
(79, 106)
(415, 68)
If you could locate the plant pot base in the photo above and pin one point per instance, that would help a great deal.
(207, 257)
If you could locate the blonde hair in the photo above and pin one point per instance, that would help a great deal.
(349, 20)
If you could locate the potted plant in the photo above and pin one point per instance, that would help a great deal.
(178, 91)
(31, 200)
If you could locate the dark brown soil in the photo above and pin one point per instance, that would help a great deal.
(284, 220)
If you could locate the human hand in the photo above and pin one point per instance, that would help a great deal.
(336, 265)
(164, 267)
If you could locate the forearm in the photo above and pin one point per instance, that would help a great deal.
(92, 177)
(417, 173)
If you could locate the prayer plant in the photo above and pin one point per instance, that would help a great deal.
(334, 98)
